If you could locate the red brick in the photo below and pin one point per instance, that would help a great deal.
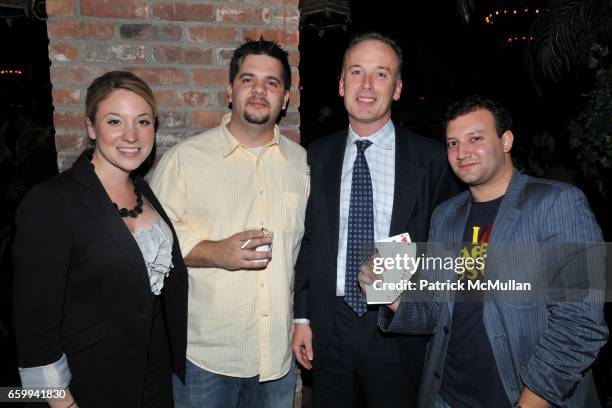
(168, 139)
(287, 17)
(63, 52)
(183, 98)
(243, 15)
(295, 78)
(65, 161)
(207, 119)
(294, 99)
(209, 34)
(114, 52)
(66, 96)
(290, 119)
(172, 120)
(60, 7)
(208, 77)
(69, 141)
(281, 36)
(160, 76)
(223, 98)
(150, 32)
(114, 8)
(182, 55)
(74, 75)
(183, 11)
(224, 56)
(79, 30)
(69, 120)
(294, 59)
(284, 2)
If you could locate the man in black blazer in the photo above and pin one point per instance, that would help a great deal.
(409, 176)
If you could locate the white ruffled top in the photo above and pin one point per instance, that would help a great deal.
(156, 246)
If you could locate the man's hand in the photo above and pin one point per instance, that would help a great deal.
(367, 277)
(301, 344)
(233, 253)
(366, 273)
(530, 400)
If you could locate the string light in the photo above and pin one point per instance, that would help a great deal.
(517, 38)
(490, 19)
(11, 72)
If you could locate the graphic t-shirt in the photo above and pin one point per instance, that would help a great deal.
(470, 378)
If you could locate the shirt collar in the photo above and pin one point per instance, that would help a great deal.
(383, 138)
(231, 144)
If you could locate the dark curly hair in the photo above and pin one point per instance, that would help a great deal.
(261, 47)
(503, 119)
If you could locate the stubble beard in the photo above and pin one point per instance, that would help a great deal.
(256, 120)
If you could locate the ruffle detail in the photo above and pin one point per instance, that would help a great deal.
(156, 247)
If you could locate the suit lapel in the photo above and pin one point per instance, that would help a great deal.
(509, 210)
(454, 222)
(332, 173)
(408, 178)
(96, 200)
(454, 226)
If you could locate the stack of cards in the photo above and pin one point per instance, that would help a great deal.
(390, 248)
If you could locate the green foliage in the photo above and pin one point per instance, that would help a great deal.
(465, 9)
(571, 40)
(591, 131)
(563, 38)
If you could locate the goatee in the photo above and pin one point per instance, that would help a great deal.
(256, 120)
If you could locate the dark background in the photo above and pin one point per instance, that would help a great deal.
(444, 60)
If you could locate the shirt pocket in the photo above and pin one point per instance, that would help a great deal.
(294, 209)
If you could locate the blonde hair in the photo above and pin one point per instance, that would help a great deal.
(104, 85)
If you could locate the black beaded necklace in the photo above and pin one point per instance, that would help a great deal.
(124, 212)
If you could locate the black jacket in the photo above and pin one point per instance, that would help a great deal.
(422, 181)
(82, 288)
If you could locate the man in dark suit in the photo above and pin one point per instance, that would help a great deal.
(509, 347)
(368, 182)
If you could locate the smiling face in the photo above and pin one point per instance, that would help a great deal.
(258, 93)
(477, 155)
(369, 84)
(124, 132)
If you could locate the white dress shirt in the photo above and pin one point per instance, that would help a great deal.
(381, 162)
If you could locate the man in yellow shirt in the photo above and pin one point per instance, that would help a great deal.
(221, 189)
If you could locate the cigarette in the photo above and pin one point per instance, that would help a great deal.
(247, 242)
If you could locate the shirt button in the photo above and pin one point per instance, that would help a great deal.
(260, 191)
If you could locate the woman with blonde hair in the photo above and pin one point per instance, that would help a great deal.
(100, 295)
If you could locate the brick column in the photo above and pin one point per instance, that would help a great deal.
(180, 48)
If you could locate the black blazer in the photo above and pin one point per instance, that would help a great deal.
(422, 181)
(81, 288)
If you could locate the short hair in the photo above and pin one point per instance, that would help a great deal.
(503, 119)
(261, 47)
(104, 85)
(376, 36)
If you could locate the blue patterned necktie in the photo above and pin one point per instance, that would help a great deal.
(360, 228)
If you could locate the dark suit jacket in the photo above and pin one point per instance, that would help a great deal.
(422, 180)
(545, 345)
(82, 288)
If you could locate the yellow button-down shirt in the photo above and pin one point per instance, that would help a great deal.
(239, 322)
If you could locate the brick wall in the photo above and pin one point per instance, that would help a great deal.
(180, 48)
